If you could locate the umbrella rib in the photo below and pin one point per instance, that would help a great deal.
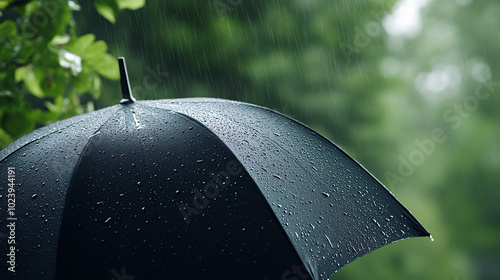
(151, 195)
(41, 137)
(68, 191)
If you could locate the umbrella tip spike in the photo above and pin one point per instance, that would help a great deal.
(124, 82)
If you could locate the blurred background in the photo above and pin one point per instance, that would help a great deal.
(409, 88)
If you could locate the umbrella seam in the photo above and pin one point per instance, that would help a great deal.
(39, 138)
(158, 227)
(73, 178)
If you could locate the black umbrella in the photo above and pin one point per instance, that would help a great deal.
(195, 188)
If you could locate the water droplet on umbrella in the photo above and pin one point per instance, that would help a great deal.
(34, 196)
(432, 238)
(326, 194)
(329, 242)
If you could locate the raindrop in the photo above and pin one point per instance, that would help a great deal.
(107, 220)
(432, 238)
(34, 196)
(326, 194)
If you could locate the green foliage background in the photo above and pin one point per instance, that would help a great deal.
(329, 64)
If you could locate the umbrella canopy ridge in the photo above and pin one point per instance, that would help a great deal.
(198, 188)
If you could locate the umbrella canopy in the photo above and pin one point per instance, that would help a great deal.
(196, 188)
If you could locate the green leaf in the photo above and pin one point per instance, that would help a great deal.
(3, 5)
(96, 50)
(7, 28)
(107, 9)
(26, 50)
(83, 81)
(7, 51)
(61, 39)
(107, 67)
(50, 19)
(131, 4)
(31, 76)
(80, 45)
(55, 82)
(96, 86)
(8, 78)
